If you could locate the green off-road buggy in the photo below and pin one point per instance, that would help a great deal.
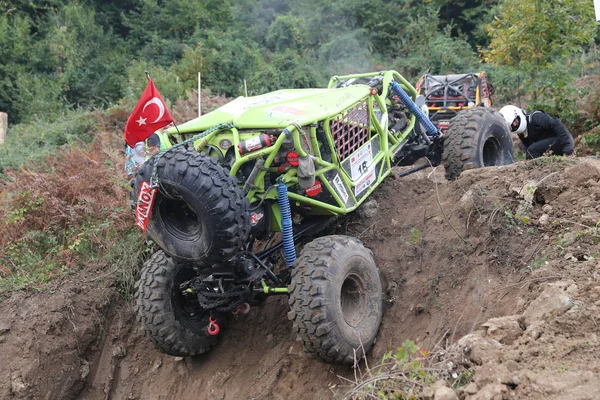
(260, 175)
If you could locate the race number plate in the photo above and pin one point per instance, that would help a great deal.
(144, 205)
(361, 161)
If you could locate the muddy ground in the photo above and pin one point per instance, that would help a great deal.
(518, 241)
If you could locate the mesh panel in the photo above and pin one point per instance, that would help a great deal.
(350, 130)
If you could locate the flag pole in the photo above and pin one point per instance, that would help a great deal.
(199, 97)
(147, 75)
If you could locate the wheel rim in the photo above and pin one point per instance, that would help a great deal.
(179, 220)
(353, 299)
(491, 152)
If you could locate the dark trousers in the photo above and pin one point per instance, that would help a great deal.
(538, 149)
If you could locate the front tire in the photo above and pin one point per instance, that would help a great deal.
(167, 317)
(336, 299)
(478, 137)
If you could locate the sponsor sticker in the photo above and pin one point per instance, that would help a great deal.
(144, 205)
(255, 217)
(314, 189)
(361, 161)
(341, 189)
(369, 178)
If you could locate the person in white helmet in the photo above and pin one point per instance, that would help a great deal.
(539, 132)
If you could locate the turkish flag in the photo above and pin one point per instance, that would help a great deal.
(149, 115)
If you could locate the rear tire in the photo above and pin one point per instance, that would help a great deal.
(200, 214)
(162, 312)
(478, 137)
(336, 299)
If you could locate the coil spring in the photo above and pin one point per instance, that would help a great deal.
(289, 250)
(412, 107)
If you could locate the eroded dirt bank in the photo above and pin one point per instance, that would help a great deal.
(494, 243)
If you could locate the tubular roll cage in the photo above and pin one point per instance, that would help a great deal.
(449, 84)
(389, 145)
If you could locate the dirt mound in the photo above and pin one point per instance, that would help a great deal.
(454, 255)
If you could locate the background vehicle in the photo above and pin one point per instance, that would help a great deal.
(282, 164)
(446, 95)
(459, 105)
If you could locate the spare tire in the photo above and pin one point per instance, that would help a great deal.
(199, 215)
(477, 137)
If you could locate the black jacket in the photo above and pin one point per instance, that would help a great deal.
(541, 126)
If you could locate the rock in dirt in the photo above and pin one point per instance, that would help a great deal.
(445, 393)
(4, 328)
(544, 219)
(440, 384)
(467, 202)
(479, 349)
(119, 352)
(553, 300)
(84, 369)
(568, 239)
(471, 388)
(492, 391)
(504, 329)
(369, 209)
(418, 309)
(157, 363)
(547, 208)
(16, 383)
(494, 373)
(427, 394)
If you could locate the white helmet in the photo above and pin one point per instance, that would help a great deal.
(515, 119)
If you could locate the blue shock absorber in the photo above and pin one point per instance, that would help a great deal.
(412, 107)
(289, 250)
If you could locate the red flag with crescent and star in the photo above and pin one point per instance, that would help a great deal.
(149, 115)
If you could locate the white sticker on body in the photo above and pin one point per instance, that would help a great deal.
(369, 179)
(341, 189)
(361, 161)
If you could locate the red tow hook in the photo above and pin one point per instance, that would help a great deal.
(244, 308)
(213, 328)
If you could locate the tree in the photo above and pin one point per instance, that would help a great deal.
(537, 38)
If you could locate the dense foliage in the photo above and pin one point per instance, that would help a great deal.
(60, 54)
(57, 55)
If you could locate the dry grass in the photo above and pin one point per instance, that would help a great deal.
(71, 211)
(63, 216)
(405, 373)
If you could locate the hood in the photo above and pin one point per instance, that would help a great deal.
(279, 109)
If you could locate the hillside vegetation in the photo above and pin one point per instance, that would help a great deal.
(71, 71)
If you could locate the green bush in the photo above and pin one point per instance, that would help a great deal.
(29, 144)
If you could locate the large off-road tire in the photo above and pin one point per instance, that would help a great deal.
(167, 317)
(199, 214)
(336, 299)
(478, 137)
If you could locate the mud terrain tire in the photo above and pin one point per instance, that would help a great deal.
(161, 311)
(478, 137)
(336, 299)
(200, 214)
